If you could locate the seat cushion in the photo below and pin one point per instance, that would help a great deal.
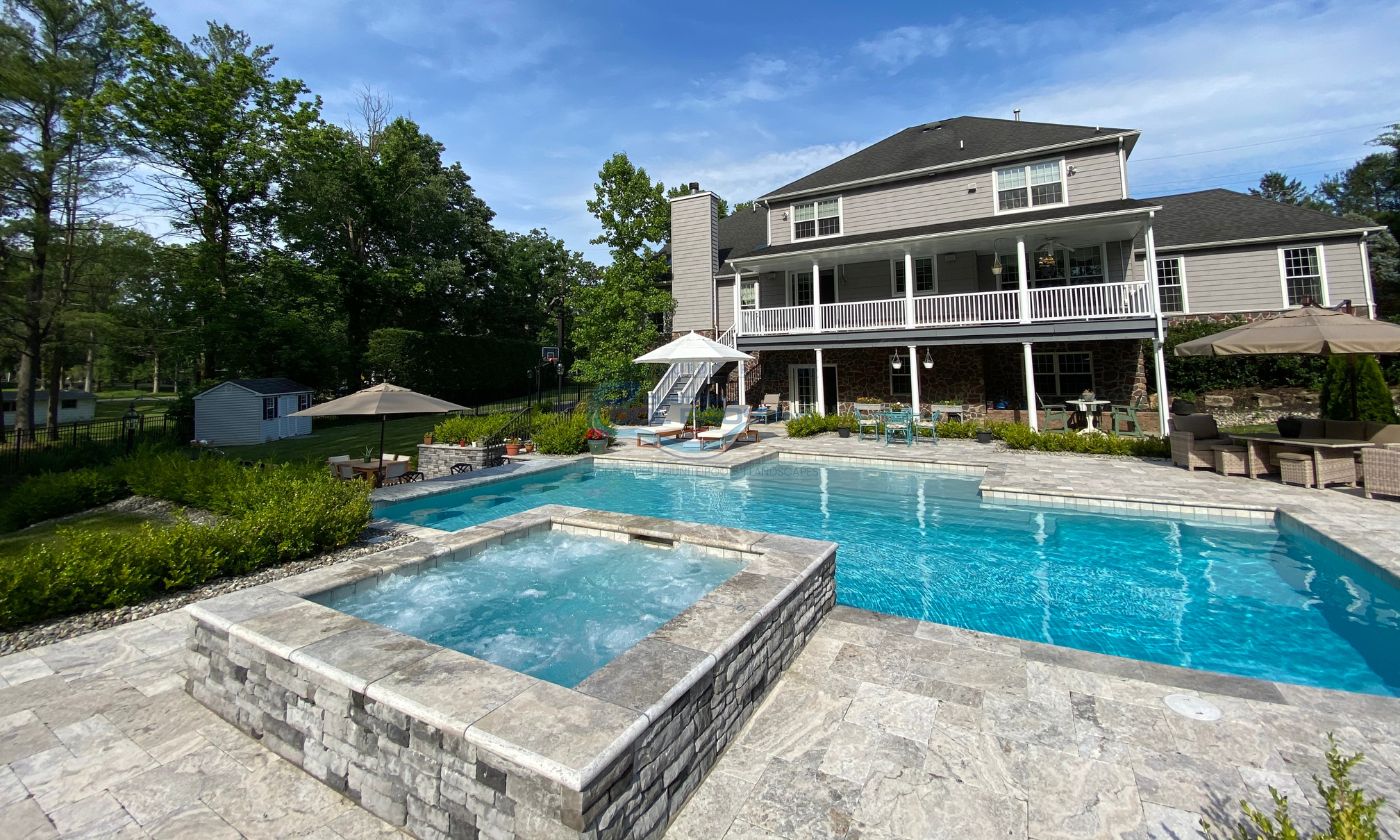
(1345, 429)
(1383, 432)
(1200, 425)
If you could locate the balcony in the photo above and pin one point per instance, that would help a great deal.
(1088, 302)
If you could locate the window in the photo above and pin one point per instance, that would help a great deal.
(1010, 278)
(269, 408)
(303, 402)
(900, 382)
(800, 287)
(816, 218)
(1061, 375)
(1063, 266)
(1170, 291)
(748, 294)
(1038, 184)
(924, 283)
(1304, 277)
(67, 403)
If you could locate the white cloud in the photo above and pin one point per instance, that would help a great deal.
(480, 41)
(898, 48)
(760, 79)
(745, 178)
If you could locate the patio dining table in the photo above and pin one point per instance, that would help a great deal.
(1088, 408)
(1321, 448)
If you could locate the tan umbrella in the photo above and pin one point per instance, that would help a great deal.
(1307, 330)
(381, 400)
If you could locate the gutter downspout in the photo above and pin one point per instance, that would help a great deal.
(1366, 277)
(1122, 169)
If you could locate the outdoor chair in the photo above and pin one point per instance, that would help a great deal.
(344, 470)
(1193, 436)
(676, 416)
(406, 478)
(770, 409)
(928, 421)
(334, 463)
(1380, 466)
(867, 419)
(459, 469)
(1054, 412)
(735, 423)
(1123, 419)
(392, 471)
(899, 424)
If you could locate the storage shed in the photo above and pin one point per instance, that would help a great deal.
(251, 411)
(73, 406)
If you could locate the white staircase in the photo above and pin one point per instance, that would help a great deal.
(682, 381)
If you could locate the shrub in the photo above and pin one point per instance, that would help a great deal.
(814, 424)
(1355, 389)
(49, 495)
(561, 434)
(1350, 814)
(271, 515)
(467, 427)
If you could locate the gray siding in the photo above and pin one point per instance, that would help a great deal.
(228, 415)
(694, 260)
(724, 299)
(1247, 278)
(863, 281)
(959, 274)
(966, 194)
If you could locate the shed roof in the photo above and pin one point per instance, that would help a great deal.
(267, 387)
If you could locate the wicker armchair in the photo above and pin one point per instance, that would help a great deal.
(1381, 468)
(1192, 437)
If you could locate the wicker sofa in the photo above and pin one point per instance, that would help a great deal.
(1381, 466)
(1192, 437)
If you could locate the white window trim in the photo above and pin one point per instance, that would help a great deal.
(792, 220)
(899, 261)
(1181, 276)
(1030, 269)
(907, 372)
(1321, 272)
(790, 280)
(792, 382)
(1064, 188)
(1093, 368)
(757, 293)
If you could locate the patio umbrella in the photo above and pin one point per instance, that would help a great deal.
(693, 348)
(1307, 330)
(382, 400)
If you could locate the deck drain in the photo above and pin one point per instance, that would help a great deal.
(1189, 705)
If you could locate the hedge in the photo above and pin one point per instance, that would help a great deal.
(270, 515)
(1014, 435)
(470, 370)
(50, 495)
(468, 427)
(561, 434)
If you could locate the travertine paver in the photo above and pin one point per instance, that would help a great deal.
(995, 738)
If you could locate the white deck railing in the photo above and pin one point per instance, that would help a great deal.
(1088, 302)
(966, 308)
(863, 315)
(1060, 303)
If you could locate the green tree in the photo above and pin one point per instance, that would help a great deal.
(1276, 186)
(622, 315)
(55, 55)
(1354, 389)
(211, 120)
(684, 189)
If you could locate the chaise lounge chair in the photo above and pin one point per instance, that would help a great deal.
(675, 424)
(735, 423)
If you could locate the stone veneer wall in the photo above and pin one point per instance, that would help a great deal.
(440, 785)
(436, 459)
(956, 375)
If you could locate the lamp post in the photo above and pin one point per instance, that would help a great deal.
(129, 421)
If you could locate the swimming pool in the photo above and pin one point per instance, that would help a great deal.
(1238, 599)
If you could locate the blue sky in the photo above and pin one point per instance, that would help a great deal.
(531, 97)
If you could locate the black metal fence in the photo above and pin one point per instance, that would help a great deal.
(16, 449)
(551, 400)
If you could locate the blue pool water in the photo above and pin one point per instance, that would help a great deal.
(1235, 599)
(556, 606)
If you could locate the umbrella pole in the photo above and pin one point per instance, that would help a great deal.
(383, 418)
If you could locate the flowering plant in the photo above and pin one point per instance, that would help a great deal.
(595, 434)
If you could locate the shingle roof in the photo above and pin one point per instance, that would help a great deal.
(953, 227)
(271, 386)
(741, 234)
(946, 143)
(1224, 216)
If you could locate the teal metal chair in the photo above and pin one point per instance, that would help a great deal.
(1054, 413)
(1123, 419)
(867, 420)
(899, 424)
(927, 422)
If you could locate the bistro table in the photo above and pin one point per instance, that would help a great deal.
(1323, 450)
(1088, 408)
(369, 469)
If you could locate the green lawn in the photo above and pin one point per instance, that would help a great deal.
(14, 544)
(130, 393)
(401, 437)
(115, 408)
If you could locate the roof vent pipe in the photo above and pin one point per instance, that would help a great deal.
(1016, 112)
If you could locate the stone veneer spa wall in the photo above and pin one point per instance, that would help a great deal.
(447, 745)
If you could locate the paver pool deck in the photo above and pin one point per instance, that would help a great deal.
(883, 728)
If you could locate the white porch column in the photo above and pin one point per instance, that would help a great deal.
(821, 385)
(914, 379)
(816, 296)
(1031, 402)
(743, 399)
(1159, 356)
(738, 297)
(1023, 286)
(909, 289)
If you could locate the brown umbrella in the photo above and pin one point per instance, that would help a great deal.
(1307, 330)
(381, 400)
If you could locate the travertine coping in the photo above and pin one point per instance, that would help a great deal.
(570, 736)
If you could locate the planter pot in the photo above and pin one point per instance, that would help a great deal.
(1183, 407)
(597, 447)
(845, 433)
(529, 447)
(428, 439)
(1290, 427)
(512, 449)
(984, 437)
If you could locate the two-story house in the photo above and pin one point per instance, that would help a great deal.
(995, 263)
